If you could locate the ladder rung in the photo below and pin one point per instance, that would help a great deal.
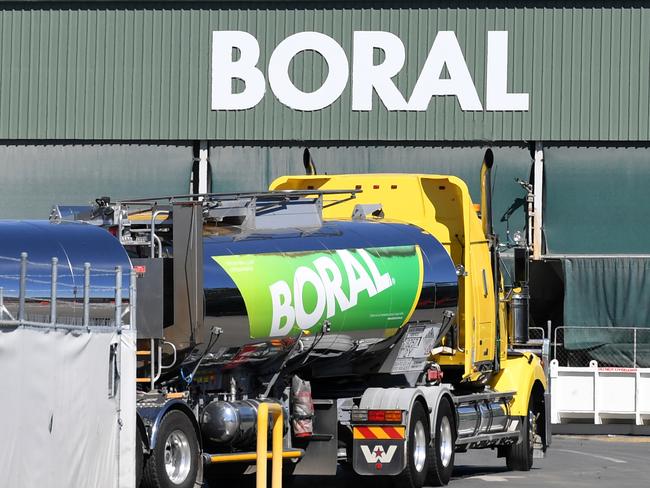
(143, 353)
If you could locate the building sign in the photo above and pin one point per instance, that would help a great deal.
(361, 72)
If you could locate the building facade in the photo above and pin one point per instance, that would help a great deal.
(154, 98)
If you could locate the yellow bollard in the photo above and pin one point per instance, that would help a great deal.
(262, 440)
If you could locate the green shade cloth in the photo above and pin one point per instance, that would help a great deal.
(610, 293)
(35, 177)
(597, 200)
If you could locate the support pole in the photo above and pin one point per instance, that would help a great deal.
(204, 164)
(133, 298)
(118, 296)
(538, 219)
(55, 272)
(22, 286)
(86, 321)
(275, 410)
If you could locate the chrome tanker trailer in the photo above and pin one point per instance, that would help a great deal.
(364, 311)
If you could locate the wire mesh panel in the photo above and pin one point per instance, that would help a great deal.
(625, 347)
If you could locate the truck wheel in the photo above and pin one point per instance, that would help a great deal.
(519, 456)
(417, 450)
(174, 461)
(441, 462)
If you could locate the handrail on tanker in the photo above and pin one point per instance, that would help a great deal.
(263, 412)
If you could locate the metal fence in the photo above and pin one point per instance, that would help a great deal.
(36, 296)
(624, 347)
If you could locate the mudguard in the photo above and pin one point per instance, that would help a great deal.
(382, 449)
(152, 414)
(519, 374)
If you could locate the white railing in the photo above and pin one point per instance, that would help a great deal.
(600, 375)
(599, 395)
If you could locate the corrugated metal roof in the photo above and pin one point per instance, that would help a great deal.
(106, 71)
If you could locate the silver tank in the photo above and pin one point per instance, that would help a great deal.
(230, 422)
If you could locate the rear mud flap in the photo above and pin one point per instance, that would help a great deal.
(374, 455)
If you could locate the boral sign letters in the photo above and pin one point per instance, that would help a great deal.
(361, 72)
(351, 289)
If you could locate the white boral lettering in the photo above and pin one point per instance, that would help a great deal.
(445, 52)
(496, 88)
(325, 283)
(282, 309)
(367, 78)
(332, 87)
(224, 70)
(302, 277)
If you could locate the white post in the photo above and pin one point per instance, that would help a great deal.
(538, 201)
(637, 400)
(593, 365)
(204, 164)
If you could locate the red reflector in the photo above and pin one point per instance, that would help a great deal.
(385, 416)
(376, 415)
(140, 269)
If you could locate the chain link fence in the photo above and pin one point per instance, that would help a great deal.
(623, 347)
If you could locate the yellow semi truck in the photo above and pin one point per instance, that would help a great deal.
(367, 311)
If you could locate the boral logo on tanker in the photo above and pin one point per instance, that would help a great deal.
(351, 289)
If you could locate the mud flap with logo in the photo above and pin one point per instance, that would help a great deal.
(378, 450)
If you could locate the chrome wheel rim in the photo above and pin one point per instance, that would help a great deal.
(178, 457)
(446, 444)
(532, 428)
(419, 447)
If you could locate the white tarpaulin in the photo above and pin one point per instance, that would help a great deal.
(60, 419)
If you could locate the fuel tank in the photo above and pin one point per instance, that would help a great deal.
(73, 244)
(348, 277)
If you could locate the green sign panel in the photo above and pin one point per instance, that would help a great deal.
(351, 289)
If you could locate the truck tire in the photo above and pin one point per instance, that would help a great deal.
(441, 460)
(139, 456)
(174, 461)
(417, 450)
(519, 456)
